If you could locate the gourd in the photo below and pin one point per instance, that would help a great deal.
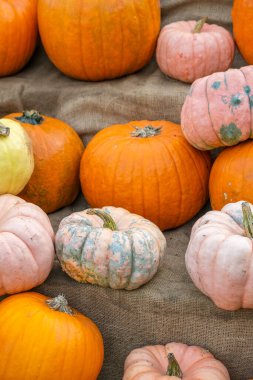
(109, 247)
(188, 50)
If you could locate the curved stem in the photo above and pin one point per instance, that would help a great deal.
(147, 131)
(173, 367)
(31, 117)
(60, 303)
(4, 131)
(247, 219)
(199, 25)
(107, 219)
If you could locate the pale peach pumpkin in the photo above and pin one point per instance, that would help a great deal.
(188, 50)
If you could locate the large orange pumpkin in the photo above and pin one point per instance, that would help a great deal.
(148, 168)
(95, 40)
(18, 34)
(57, 153)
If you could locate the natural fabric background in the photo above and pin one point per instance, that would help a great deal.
(169, 308)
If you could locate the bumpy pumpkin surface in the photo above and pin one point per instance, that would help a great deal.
(219, 256)
(95, 40)
(148, 168)
(16, 157)
(18, 34)
(57, 152)
(110, 247)
(43, 338)
(218, 110)
(27, 245)
(188, 50)
(173, 361)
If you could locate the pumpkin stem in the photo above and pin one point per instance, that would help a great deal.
(60, 303)
(199, 25)
(4, 131)
(147, 131)
(173, 367)
(107, 219)
(247, 219)
(31, 117)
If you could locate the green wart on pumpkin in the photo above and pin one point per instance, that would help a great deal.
(230, 133)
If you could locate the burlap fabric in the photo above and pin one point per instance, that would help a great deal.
(169, 308)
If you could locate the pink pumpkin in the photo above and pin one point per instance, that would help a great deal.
(173, 361)
(218, 111)
(27, 245)
(188, 50)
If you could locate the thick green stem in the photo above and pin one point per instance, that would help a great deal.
(31, 117)
(199, 25)
(173, 367)
(147, 131)
(107, 219)
(60, 303)
(247, 219)
(4, 131)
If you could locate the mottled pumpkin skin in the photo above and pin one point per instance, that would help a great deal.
(43, 344)
(57, 153)
(95, 40)
(18, 34)
(123, 259)
(242, 15)
(187, 56)
(151, 363)
(218, 110)
(163, 178)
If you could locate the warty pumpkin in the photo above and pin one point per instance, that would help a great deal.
(27, 245)
(173, 361)
(109, 247)
(16, 157)
(148, 168)
(188, 50)
(43, 338)
(96, 40)
(219, 256)
(57, 152)
(218, 111)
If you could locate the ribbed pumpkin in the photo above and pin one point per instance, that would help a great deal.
(43, 338)
(242, 15)
(16, 157)
(57, 153)
(188, 50)
(95, 40)
(218, 111)
(231, 178)
(173, 361)
(110, 247)
(148, 168)
(18, 34)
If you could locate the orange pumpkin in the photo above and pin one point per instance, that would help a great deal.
(44, 339)
(148, 168)
(57, 153)
(95, 40)
(18, 34)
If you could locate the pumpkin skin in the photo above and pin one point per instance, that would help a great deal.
(151, 363)
(218, 110)
(27, 245)
(18, 18)
(242, 16)
(124, 256)
(219, 258)
(77, 36)
(160, 177)
(42, 343)
(231, 176)
(16, 157)
(57, 152)
(187, 52)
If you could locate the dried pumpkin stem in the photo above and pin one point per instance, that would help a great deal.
(60, 303)
(247, 219)
(173, 367)
(4, 131)
(147, 131)
(199, 25)
(31, 117)
(107, 219)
